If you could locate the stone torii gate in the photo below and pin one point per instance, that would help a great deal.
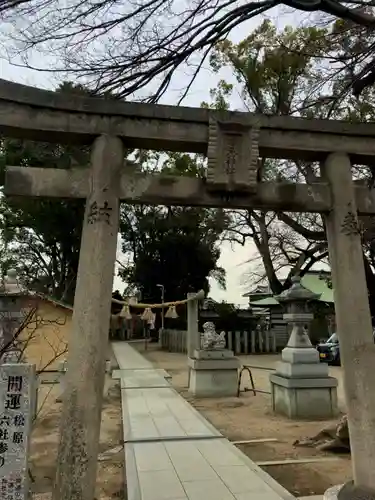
(233, 142)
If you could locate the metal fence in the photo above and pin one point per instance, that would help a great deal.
(239, 342)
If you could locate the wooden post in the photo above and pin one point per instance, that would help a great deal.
(266, 333)
(88, 342)
(181, 341)
(273, 335)
(237, 342)
(253, 350)
(246, 342)
(230, 341)
(353, 317)
(260, 340)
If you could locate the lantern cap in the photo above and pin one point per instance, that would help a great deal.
(297, 293)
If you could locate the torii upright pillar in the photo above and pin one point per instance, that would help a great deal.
(88, 342)
(353, 317)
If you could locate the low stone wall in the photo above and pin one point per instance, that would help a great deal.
(238, 342)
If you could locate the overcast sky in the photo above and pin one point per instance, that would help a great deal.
(233, 257)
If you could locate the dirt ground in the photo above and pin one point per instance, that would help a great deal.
(110, 477)
(250, 417)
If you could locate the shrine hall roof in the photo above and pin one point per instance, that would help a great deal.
(314, 281)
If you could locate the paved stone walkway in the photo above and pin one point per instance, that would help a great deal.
(313, 497)
(171, 451)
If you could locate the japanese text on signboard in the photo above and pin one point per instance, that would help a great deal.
(16, 412)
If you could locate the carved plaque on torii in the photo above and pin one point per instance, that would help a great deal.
(233, 154)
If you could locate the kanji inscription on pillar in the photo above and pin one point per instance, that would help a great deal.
(350, 225)
(17, 390)
(233, 157)
(99, 212)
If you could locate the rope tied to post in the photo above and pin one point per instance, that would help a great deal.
(198, 296)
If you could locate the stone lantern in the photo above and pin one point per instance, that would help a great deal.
(296, 300)
(13, 298)
(301, 386)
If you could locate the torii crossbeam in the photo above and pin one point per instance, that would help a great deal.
(154, 189)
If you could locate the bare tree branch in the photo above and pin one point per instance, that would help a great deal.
(336, 9)
(136, 45)
(302, 230)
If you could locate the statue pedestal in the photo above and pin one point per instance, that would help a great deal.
(213, 373)
(301, 386)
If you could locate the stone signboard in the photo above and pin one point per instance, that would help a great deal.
(17, 391)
